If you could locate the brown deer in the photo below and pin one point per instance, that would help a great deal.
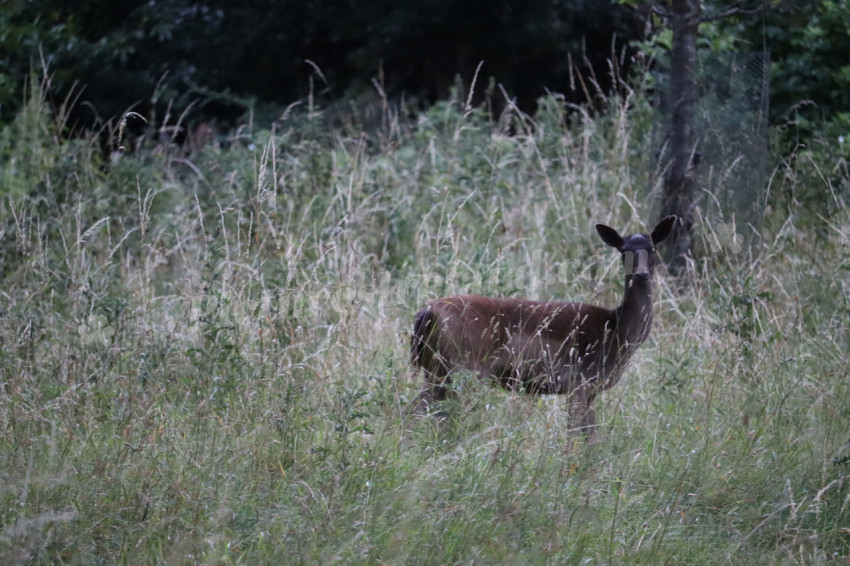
(541, 348)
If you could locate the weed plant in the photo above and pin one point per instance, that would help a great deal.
(205, 357)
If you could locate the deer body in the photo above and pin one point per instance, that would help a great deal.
(537, 347)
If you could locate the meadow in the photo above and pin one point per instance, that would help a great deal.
(205, 356)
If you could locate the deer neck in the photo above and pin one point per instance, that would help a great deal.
(634, 315)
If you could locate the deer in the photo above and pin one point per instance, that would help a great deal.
(540, 348)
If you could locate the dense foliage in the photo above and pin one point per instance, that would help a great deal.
(224, 58)
(808, 42)
(231, 55)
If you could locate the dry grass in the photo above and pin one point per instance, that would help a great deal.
(204, 360)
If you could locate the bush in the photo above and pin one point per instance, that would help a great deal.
(223, 58)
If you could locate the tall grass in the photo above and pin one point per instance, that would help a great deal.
(204, 358)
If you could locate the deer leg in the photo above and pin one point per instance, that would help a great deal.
(436, 389)
(582, 410)
(429, 395)
(588, 423)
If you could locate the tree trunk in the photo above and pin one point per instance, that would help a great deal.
(678, 194)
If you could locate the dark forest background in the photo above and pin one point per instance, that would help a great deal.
(221, 58)
(228, 55)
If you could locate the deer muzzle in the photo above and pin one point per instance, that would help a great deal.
(637, 263)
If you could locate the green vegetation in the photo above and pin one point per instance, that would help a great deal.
(806, 39)
(204, 357)
(220, 59)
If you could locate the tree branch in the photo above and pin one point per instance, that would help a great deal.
(734, 10)
(658, 11)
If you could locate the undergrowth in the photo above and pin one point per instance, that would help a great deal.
(204, 357)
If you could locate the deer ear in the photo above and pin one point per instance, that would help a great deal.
(663, 229)
(610, 236)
